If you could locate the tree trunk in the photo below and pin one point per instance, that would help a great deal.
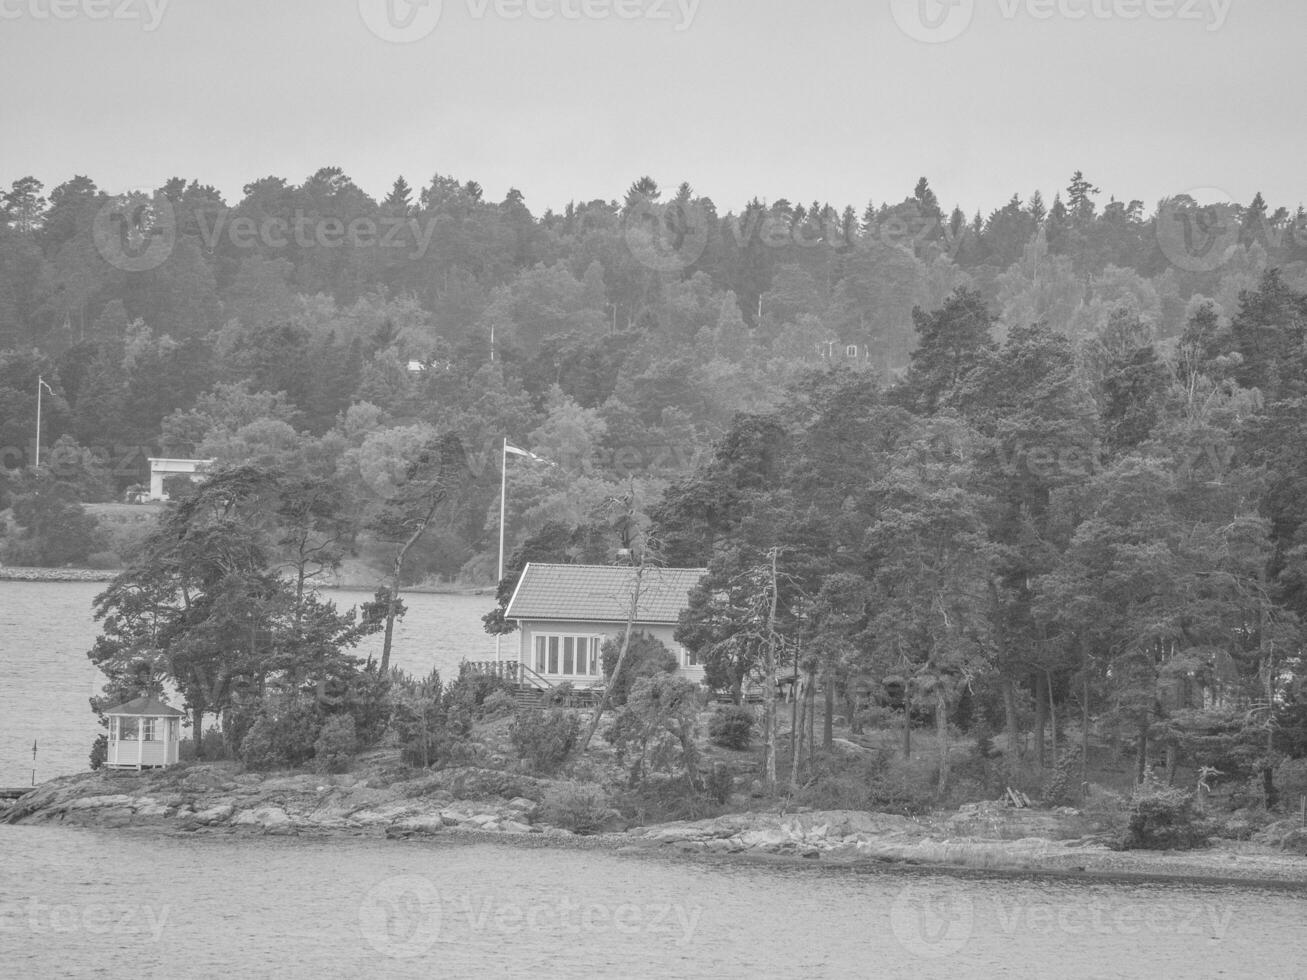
(1052, 714)
(828, 725)
(400, 555)
(1084, 715)
(631, 613)
(798, 701)
(941, 732)
(810, 709)
(197, 725)
(1171, 759)
(1010, 715)
(907, 719)
(1141, 753)
(1041, 718)
(769, 687)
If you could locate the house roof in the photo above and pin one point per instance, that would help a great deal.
(146, 707)
(601, 593)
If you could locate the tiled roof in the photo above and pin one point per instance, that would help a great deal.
(149, 707)
(601, 593)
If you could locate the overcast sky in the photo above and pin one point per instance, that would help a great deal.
(837, 100)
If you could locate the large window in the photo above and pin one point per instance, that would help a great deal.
(567, 656)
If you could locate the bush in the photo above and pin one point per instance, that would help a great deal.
(1063, 785)
(731, 727)
(498, 704)
(282, 737)
(472, 689)
(721, 783)
(545, 739)
(560, 695)
(647, 656)
(336, 744)
(426, 720)
(656, 731)
(577, 807)
(215, 747)
(104, 561)
(99, 751)
(256, 749)
(1162, 818)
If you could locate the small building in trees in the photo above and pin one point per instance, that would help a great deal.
(564, 613)
(143, 734)
(161, 469)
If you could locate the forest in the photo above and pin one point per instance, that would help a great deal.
(1042, 466)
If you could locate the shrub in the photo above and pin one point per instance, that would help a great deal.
(656, 730)
(1162, 818)
(545, 739)
(99, 751)
(731, 727)
(720, 783)
(256, 749)
(1063, 785)
(647, 656)
(214, 744)
(560, 695)
(336, 744)
(425, 720)
(282, 736)
(577, 807)
(472, 688)
(498, 704)
(104, 560)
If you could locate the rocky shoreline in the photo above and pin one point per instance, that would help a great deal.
(491, 804)
(13, 573)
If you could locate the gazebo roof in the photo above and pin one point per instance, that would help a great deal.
(146, 707)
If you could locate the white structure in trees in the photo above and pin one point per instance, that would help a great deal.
(160, 469)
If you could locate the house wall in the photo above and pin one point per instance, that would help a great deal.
(529, 629)
(162, 468)
(124, 753)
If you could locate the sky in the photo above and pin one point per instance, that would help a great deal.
(841, 101)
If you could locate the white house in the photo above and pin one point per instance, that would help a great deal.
(162, 468)
(565, 612)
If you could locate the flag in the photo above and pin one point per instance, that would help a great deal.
(510, 448)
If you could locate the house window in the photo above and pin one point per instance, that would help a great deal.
(689, 657)
(567, 656)
(148, 730)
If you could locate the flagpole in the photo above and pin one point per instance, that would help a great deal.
(40, 383)
(503, 497)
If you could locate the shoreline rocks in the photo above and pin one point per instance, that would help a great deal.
(13, 573)
(492, 804)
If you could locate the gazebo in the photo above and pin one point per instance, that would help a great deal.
(143, 734)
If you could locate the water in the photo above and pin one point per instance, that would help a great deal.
(86, 903)
(46, 680)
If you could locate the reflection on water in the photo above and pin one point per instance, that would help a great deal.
(46, 681)
(82, 903)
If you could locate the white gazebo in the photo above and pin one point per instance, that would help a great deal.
(143, 734)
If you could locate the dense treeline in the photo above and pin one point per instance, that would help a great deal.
(1102, 534)
(314, 329)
